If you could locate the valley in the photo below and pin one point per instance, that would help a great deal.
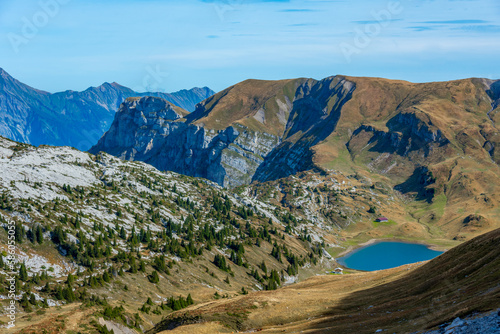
(125, 233)
(406, 299)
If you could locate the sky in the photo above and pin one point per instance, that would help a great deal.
(153, 45)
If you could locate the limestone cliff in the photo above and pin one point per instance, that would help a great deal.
(233, 152)
(149, 129)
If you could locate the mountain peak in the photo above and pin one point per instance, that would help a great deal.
(112, 84)
(5, 75)
(104, 85)
(153, 104)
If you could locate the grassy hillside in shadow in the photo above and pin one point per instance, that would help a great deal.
(402, 300)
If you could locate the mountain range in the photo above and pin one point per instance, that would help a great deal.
(261, 187)
(40, 118)
(264, 130)
(436, 143)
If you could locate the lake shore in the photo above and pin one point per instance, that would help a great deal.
(373, 241)
(380, 254)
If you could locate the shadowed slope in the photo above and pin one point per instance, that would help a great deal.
(409, 298)
(463, 280)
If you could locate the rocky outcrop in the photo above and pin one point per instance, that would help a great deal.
(475, 222)
(146, 129)
(409, 142)
(70, 118)
(419, 129)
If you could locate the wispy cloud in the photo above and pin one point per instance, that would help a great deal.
(375, 21)
(303, 25)
(456, 22)
(487, 28)
(297, 10)
(479, 26)
(422, 28)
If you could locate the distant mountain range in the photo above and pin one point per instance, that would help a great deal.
(70, 118)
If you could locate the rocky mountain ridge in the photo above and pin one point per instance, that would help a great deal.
(295, 119)
(436, 143)
(232, 151)
(37, 117)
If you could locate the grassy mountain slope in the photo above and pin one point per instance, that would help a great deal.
(405, 299)
(433, 141)
(246, 102)
(96, 233)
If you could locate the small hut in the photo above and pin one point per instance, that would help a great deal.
(338, 271)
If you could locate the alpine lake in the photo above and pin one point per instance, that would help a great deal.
(386, 254)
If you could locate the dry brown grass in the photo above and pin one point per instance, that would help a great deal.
(209, 328)
(466, 177)
(404, 299)
(53, 320)
(239, 103)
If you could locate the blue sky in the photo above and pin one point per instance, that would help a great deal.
(171, 45)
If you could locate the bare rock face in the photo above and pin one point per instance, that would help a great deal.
(147, 129)
(150, 129)
(147, 117)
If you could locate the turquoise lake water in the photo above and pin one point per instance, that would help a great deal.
(387, 254)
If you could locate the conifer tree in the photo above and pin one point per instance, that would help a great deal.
(154, 278)
(19, 233)
(39, 234)
(23, 273)
(70, 279)
(189, 300)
